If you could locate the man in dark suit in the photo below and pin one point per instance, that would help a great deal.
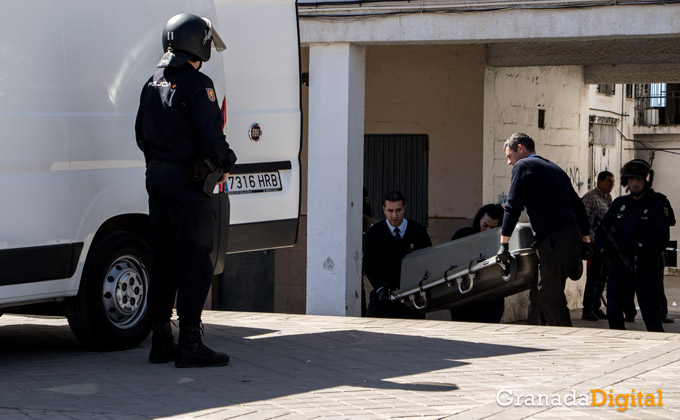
(387, 243)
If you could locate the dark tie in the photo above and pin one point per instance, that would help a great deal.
(397, 236)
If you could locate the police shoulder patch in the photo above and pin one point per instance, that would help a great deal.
(666, 212)
(211, 94)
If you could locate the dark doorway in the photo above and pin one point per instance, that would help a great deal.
(397, 162)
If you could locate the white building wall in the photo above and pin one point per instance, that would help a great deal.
(512, 99)
(611, 158)
(336, 142)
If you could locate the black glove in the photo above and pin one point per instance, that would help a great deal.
(383, 294)
(504, 253)
(586, 251)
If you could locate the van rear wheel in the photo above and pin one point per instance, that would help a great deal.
(110, 311)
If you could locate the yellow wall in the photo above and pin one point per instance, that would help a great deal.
(438, 91)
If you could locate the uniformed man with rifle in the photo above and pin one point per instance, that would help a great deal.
(633, 235)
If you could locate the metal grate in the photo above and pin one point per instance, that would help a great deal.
(657, 104)
(657, 93)
(629, 91)
(397, 162)
(607, 89)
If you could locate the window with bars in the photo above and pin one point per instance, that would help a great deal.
(606, 89)
(657, 103)
(657, 95)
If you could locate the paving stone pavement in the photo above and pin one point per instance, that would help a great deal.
(298, 367)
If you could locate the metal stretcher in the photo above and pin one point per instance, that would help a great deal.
(465, 272)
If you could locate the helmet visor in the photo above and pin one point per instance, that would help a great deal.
(212, 35)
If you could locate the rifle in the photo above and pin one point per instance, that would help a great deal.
(613, 244)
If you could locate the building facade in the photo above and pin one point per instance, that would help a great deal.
(439, 86)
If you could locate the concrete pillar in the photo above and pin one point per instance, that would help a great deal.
(335, 178)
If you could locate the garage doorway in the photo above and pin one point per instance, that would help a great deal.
(397, 162)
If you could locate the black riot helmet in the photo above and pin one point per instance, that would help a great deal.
(188, 37)
(637, 168)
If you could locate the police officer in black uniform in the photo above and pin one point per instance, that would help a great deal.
(179, 128)
(639, 226)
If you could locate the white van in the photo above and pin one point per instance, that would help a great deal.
(73, 212)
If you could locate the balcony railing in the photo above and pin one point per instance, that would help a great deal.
(658, 109)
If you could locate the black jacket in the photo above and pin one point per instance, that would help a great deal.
(383, 253)
(463, 232)
(641, 227)
(179, 119)
(545, 190)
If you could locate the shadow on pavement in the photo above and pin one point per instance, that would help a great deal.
(44, 367)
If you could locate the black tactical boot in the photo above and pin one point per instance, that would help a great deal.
(589, 316)
(163, 347)
(601, 314)
(191, 352)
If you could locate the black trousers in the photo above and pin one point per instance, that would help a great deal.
(645, 282)
(664, 300)
(390, 309)
(181, 224)
(489, 312)
(627, 291)
(558, 253)
(596, 279)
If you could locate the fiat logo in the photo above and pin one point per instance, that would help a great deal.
(255, 132)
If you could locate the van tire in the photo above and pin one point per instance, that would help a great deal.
(110, 311)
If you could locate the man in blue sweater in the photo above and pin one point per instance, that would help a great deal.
(559, 222)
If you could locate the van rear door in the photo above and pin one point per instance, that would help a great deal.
(262, 80)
